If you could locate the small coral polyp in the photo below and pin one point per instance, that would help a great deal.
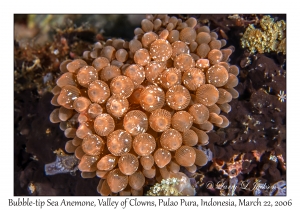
(139, 110)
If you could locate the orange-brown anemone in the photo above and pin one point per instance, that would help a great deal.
(137, 111)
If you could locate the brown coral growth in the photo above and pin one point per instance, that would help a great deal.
(138, 110)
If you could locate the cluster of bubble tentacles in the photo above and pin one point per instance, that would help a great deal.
(139, 110)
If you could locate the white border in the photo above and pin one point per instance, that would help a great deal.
(141, 7)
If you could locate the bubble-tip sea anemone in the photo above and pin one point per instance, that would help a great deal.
(137, 110)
